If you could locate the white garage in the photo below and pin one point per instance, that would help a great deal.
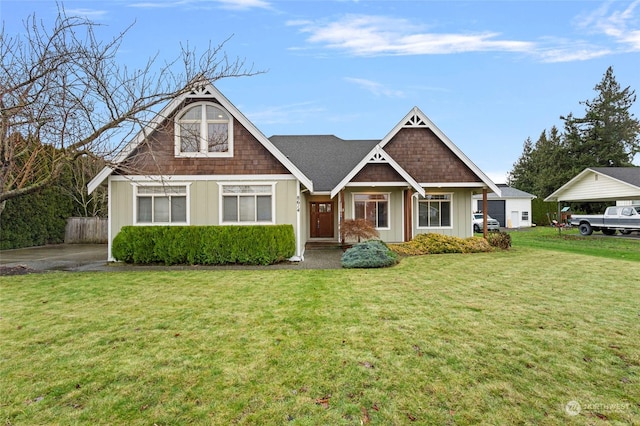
(512, 209)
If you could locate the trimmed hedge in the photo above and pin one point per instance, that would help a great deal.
(35, 219)
(369, 254)
(204, 245)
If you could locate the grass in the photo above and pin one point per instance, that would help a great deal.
(570, 240)
(496, 338)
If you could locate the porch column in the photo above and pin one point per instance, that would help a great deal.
(485, 206)
(340, 215)
(408, 214)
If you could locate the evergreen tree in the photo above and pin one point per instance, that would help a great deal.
(607, 136)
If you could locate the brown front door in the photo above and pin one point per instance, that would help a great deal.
(321, 219)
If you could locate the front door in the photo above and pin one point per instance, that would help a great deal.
(321, 219)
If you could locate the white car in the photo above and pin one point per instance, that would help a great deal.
(477, 219)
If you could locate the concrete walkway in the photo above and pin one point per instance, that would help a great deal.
(92, 257)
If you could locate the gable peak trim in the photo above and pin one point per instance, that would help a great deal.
(415, 120)
(202, 91)
(378, 156)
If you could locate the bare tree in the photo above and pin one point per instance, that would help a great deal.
(63, 95)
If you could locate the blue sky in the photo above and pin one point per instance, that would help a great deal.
(488, 73)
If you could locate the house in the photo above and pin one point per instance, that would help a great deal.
(594, 184)
(512, 208)
(202, 162)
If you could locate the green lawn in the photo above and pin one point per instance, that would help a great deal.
(571, 241)
(499, 338)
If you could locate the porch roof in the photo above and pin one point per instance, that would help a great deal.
(324, 159)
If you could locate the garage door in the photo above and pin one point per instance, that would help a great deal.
(495, 209)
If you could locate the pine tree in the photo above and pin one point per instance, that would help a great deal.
(608, 135)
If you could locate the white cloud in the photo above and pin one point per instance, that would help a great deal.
(376, 88)
(204, 4)
(86, 13)
(622, 25)
(244, 4)
(365, 35)
(285, 114)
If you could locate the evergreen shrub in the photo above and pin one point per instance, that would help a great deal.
(501, 240)
(433, 243)
(35, 219)
(204, 245)
(369, 254)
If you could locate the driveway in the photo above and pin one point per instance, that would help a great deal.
(93, 257)
(62, 257)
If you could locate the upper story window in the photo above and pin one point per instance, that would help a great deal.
(204, 129)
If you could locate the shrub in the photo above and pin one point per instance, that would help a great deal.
(204, 245)
(369, 254)
(501, 240)
(438, 244)
(358, 229)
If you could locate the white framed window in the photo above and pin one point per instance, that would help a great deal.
(525, 216)
(434, 211)
(247, 203)
(373, 207)
(161, 204)
(203, 129)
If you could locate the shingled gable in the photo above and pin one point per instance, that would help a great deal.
(208, 91)
(414, 119)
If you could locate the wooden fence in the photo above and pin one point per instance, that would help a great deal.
(86, 230)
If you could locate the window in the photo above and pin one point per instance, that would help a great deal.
(434, 211)
(373, 207)
(247, 203)
(161, 204)
(525, 215)
(203, 129)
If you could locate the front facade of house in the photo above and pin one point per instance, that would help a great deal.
(202, 162)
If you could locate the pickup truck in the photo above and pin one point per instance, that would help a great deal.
(617, 218)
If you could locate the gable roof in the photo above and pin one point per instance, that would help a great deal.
(510, 192)
(207, 91)
(618, 183)
(415, 118)
(325, 159)
(629, 175)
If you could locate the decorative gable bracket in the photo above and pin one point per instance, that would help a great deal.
(378, 156)
(202, 92)
(415, 121)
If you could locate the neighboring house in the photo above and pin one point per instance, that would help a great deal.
(594, 184)
(512, 208)
(202, 162)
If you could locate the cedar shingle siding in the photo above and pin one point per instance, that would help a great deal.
(427, 158)
(158, 156)
(377, 173)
